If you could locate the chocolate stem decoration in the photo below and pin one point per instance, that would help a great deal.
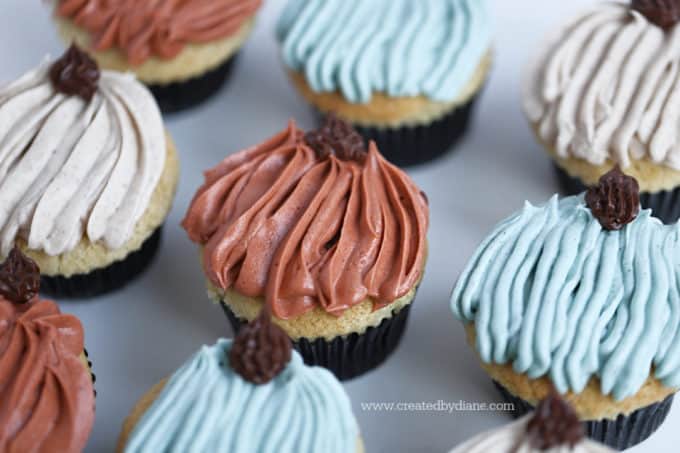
(615, 201)
(664, 13)
(261, 350)
(339, 138)
(19, 278)
(554, 424)
(75, 74)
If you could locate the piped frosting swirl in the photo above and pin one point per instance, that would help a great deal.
(157, 28)
(307, 231)
(73, 168)
(607, 87)
(206, 406)
(550, 274)
(47, 391)
(402, 48)
(513, 438)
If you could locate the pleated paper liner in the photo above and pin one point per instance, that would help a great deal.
(414, 145)
(352, 355)
(179, 96)
(665, 205)
(104, 280)
(620, 434)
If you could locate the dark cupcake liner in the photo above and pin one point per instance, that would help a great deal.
(89, 364)
(620, 434)
(665, 205)
(179, 96)
(348, 356)
(104, 280)
(414, 145)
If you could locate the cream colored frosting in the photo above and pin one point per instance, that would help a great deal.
(513, 439)
(71, 168)
(607, 86)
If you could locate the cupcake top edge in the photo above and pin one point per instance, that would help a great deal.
(336, 45)
(81, 153)
(550, 272)
(301, 409)
(47, 390)
(603, 88)
(162, 29)
(311, 220)
(552, 428)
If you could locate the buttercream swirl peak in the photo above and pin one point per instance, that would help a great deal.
(513, 438)
(278, 221)
(664, 13)
(547, 274)
(605, 87)
(75, 74)
(19, 277)
(615, 200)
(160, 28)
(401, 48)
(261, 350)
(74, 169)
(47, 391)
(207, 407)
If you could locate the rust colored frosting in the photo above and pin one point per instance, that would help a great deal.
(664, 13)
(75, 74)
(554, 424)
(160, 28)
(615, 200)
(304, 231)
(47, 402)
(261, 350)
(19, 278)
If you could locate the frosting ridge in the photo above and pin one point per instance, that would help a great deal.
(303, 231)
(206, 406)
(359, 47)
(47, 399)
(160, 28)
(71, 168)
(606, 87)
(549, 274)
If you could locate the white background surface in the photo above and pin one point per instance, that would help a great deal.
(140, 335)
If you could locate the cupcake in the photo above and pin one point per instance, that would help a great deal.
(325, 232)
(87, 174)
(553, 428)
(406, 74)
(183, 50)
(582, 294)
(48, 399)
(604, 92)
(249, 395)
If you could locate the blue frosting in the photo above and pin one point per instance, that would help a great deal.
(207, 407)
(398, 47)
(554, 294)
